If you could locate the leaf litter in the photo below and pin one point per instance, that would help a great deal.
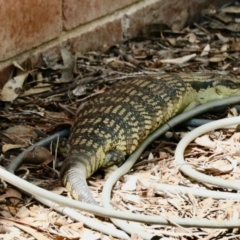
(36, 102)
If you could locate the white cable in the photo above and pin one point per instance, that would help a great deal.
(128, 164)
(187, 222)
(197, 192)
(91, 223)
(188, 170)
(127, 215)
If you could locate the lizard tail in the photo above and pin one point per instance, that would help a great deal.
(73, 175)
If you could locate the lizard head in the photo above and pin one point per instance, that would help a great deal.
(209, 87)
(227, 86)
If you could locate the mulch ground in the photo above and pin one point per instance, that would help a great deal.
(37, 102)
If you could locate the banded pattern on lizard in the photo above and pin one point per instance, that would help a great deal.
(112, 125)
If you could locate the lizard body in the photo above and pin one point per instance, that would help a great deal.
(112, 125)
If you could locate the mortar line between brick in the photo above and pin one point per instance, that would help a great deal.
(90, 26)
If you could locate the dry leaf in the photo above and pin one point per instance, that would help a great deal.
(12, 89)
(150, 156)
(38, 155)
(224, 47)
(27, 133)
(7, 147)
(143, 175)
(71, 232)
(87, 235)
(135, 236)
(135, 199)
(222, 38)
(192, 38)
(20, 136)
(235, 137)
(180, 60)
(206, 50)
(115, 63)
(14, 195)
(17, 65)
(130, 183)
(68, 68)
(217, 58)
(37, 90)
(31, 231)
(205, 141)
(79, 91)
(59, 190)
(23, 212)
(172, 41)
(215, 169)
(231, 9)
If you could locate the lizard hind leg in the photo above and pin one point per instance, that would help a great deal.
(113, 160)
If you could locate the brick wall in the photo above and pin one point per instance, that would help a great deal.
(31, 27)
